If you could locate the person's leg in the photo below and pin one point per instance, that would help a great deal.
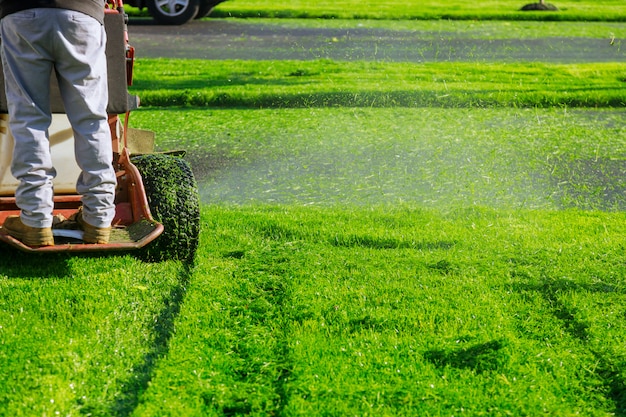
(27, 67)
(81, 69)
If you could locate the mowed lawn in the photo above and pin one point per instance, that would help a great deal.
(399, 311)
(607, 10)
(464, 258)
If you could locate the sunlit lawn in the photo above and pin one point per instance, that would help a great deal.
(462, 255)
(430, 9)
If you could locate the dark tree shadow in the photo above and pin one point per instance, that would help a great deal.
(483, 357)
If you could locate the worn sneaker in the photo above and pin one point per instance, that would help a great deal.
(93, 234)
(31, 236)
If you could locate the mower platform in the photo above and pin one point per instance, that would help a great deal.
(134, 236)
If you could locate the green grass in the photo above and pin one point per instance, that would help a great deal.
(262, 84)
(79, 335)
(377, 259)
(399, 311)
(336, 311)
(604, 10)
(305, 311)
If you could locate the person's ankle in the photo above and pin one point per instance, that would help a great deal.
(93, 234)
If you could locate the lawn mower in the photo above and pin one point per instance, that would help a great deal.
(157, 199)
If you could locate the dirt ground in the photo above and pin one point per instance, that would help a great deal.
(222, 39)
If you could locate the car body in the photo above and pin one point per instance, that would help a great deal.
(175, 12)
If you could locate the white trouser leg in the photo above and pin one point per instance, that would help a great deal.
(34, 43)
(27, 84)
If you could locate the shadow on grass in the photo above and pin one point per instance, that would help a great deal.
(609, 367)
(163, 330)
(17, 264)
(371, 242)
(21, 265)
(483, 357)
(377, 99)
(277, 231)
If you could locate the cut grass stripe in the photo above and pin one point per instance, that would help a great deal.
(509, 316)
(284, 84)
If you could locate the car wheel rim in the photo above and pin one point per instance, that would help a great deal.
(172, 7)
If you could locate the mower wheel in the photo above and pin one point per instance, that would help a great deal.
(168, 12)
(174, 201)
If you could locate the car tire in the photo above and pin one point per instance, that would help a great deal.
(204, 11)
(173, 12)
(206, 7)
(174, 201)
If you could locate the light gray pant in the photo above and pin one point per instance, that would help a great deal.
(34, 43)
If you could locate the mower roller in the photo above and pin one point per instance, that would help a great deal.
(157, 200)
